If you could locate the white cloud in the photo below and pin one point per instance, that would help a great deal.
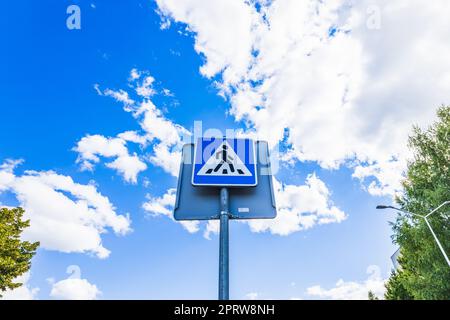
(134, 74)
(133, 136)
(351, 92)
(224, 32)
(142, 82)
(64, 215)
(145, 89)
(6, 173)
(156, 126)
(386, 173)
(167, 93)
(90, 148)
(352, 290)
(167, 158)
(300, 207)
(161, 138)
(74, 288)
(128, 166)
(166, 136)
(118, 95)
(164, 206)
(24, 292)
(212, 227)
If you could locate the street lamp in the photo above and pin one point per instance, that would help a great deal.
(427, 222)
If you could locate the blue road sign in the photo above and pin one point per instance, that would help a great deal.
(202, 203)
(224, 162)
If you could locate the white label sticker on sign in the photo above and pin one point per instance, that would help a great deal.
(244, 210)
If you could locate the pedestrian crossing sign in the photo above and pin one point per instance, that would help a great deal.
(224, 162)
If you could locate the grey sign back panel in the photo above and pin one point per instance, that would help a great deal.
(202, 203)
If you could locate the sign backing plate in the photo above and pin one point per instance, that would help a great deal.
(202, 203)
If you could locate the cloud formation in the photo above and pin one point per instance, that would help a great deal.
(164, 205)
(299, 207)
(25, 292)
(90, 148)
(351, 290)
(64, 215)
(159, 140)
(74, 288)
(353, 76)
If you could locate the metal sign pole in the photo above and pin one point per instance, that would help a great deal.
(200, 182)
(223, 247)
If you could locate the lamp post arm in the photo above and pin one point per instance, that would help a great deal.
(437, 241)
(445, 203)
(408, 212)
(427, 222)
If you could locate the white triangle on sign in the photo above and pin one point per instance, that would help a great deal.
(224, 162)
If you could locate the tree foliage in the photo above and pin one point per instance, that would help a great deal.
(372, 296)
(15, 255)
(423, 272)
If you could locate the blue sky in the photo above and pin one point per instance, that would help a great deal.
(50, 103)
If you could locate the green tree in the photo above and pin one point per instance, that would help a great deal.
(15, 255)
(396, 289)
(423, 272)
(372, 296)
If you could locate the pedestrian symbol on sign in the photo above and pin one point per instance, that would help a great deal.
(224, 162)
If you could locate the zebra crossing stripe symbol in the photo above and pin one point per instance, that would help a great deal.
(224, 162)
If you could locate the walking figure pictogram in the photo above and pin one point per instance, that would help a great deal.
(224, 162)
(226, 158)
